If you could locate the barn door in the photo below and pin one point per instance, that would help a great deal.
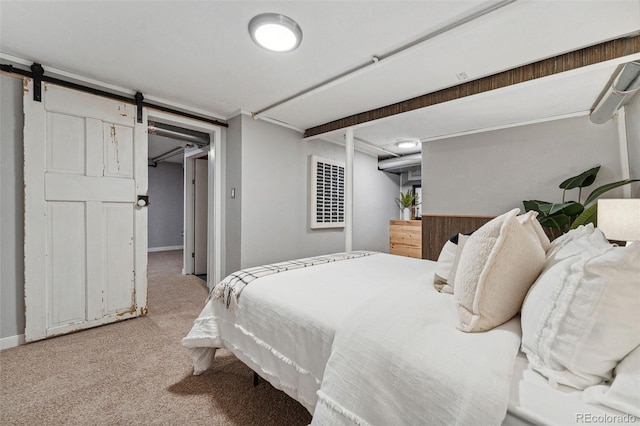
(85, 236)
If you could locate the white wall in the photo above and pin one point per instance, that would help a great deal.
(11, 209)
(275, 197)
(166, 205)
(490, 173)
(632, 113)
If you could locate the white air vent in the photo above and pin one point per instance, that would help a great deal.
(327, 193)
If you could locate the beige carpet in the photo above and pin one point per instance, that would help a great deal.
(136, 372)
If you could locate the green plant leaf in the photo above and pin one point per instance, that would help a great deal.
(581, 180)
(608, 187)
(590, 215)
(542, 207)
(570, 209)
(555, 221)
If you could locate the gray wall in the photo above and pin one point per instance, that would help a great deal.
(633, 141)
(490, 173)
(166, 205)
(275, 197)
(11, 209)
(233, 207)
(373, 203)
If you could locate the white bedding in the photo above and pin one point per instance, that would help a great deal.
(401, 361)
(534, 400)
(285, 323)
(408, 366)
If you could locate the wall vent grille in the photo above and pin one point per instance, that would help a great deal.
(327, 193)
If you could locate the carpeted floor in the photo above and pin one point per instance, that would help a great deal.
(136, 372)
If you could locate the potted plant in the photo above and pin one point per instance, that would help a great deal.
(560, 217)
(405, 201)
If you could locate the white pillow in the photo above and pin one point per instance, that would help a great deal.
(443, 267)
(447, 287)
(582, 315)
(624, 393)
(529, 219)
(499, 263)
(564, 239)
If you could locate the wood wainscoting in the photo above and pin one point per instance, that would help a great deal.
(437, 229)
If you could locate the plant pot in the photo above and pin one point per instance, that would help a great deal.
(406, 213)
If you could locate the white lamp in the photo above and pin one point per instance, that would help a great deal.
(619, 219)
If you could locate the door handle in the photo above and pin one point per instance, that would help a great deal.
(143, 201)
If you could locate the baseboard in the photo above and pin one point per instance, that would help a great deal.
(11, 341)
(151, 249)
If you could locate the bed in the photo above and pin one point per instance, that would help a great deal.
(341, 324)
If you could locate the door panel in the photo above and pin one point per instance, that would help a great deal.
(80, 104)
(70, 187)
(66, 259)
(119, 255)
(85, 164)
(65, 144)
(201, 208)
(118, 150)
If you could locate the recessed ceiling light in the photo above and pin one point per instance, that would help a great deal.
(406, 144)
(275, 32)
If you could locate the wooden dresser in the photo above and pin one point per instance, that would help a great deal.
(405, 238)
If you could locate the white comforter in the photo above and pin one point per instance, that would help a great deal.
(285, 323)
(396, 359)
(401, 361)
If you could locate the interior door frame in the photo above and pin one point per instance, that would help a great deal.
(215, 177)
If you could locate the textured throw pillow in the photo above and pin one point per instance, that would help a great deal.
(582, 315)
(624, 392)
(499, 263)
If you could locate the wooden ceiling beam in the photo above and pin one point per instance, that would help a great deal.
(568, 61)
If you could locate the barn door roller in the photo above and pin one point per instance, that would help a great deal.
(37, 71)
(139, 98)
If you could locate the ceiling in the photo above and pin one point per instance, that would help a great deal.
(160, 145)
(199, 54)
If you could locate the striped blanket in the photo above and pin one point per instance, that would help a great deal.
(229, 289)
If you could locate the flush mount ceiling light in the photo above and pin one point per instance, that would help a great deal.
(275, 32)
(407, 144)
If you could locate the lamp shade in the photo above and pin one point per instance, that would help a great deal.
(619, 219)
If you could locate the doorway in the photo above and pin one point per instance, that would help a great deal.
(166, 189)
(207, 233)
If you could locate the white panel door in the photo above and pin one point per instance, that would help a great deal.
(201, 213)
(85, 237)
